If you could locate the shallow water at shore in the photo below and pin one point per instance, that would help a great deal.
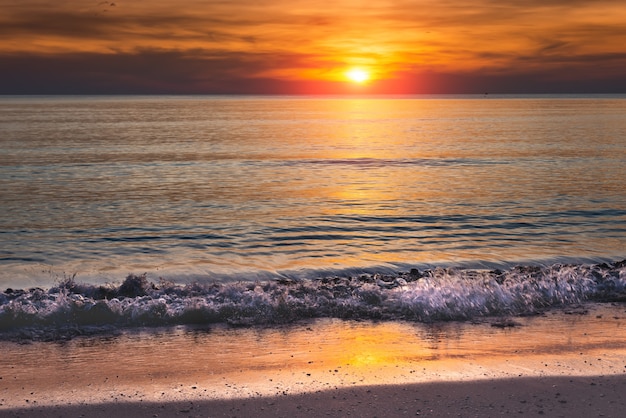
(219, 362)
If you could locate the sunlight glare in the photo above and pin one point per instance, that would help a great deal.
(357, 75)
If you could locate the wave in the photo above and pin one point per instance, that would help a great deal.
(439, 294)
(382, 162)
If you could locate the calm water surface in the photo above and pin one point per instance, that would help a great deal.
(223, 188)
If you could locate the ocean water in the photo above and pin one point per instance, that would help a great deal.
(269, 209)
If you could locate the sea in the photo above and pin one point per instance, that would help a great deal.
(133, 211)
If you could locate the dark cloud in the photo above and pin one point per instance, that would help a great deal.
(153, 72)
(79, 26)
(60, 24)
(144, 72)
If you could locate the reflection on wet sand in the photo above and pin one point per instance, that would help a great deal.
(178, 363)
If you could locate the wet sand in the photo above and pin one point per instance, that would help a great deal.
(564, 363)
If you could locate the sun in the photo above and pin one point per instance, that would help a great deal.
(357, 75)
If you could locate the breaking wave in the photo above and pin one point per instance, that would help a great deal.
(440, 294)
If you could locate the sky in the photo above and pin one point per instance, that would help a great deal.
(308, 46)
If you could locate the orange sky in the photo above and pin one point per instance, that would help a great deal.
(306, 46)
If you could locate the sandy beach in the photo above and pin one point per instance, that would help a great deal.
(550, 396)
(565, 363)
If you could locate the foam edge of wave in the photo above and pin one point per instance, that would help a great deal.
(438, 294)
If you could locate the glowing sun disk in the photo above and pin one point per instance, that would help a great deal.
(357, 75)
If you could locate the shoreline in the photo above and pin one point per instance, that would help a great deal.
(72, 308)
(307, 369)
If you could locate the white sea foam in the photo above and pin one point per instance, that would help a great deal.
(440, 294)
